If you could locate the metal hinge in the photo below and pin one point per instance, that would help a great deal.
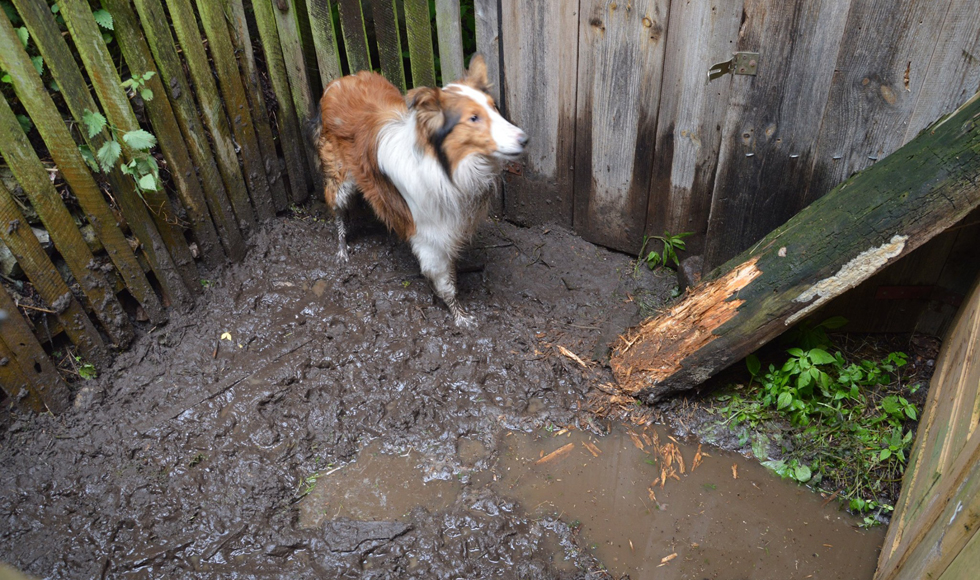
(742, 63)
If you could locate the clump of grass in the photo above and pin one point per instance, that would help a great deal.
(850, 422)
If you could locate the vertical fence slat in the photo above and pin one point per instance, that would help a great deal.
(119, 111)
(46, 117)
(177, 90)
(389, 41)
(58, 222)
(355, 36)
(31, 358)
(236, 103)
(240, 35)
(450, 33)
(325, 40)
(167, 131)
(487, 18)
(185, 24)
(23, 244)
(13, 381)
(292, 52)
(59, 60)
(418, 29)
(298, 156)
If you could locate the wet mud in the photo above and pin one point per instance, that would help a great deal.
(311, 419)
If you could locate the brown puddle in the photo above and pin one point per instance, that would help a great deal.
(704, 523)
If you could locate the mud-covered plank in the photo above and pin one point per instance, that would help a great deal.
(953, 73)
(450, 32)
(324, 40)
(58, 222)
(108, 86)
(167, 131)
(386, 31)
(242, 38)
(15, 383)
(29, 355)
(236, 103)
(540, 52)
(418, 32)
(617, 117)
(355, 36)
(881, 67)
(17, 234)
(690, 118)
(177, 90)
(74, 90)
(770, 130)
(298, 155)
(184, 21)
(831, 246)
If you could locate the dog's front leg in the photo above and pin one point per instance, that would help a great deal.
(437, 266)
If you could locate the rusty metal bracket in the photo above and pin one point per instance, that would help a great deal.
(742, 63)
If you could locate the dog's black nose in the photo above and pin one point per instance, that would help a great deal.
(523, 139)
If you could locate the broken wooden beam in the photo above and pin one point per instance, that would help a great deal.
(840, 240)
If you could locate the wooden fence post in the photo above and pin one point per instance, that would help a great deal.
(355, 35)
(419, 32)
(450, 34)
(385, 14)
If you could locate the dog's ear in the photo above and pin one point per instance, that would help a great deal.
(427, 104)
(476, 76)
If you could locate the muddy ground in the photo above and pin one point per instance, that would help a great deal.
(223, 445)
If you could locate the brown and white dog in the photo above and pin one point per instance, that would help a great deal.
(426, 163)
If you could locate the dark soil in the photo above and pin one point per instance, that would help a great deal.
(187, 458)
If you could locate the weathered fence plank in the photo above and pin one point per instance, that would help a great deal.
(871, 99)
(831, 246)
(689, 123)
(44, 30)
(157, 31)
(210, 106)
(487, 18)
(617, 117)
(385, 14)
(450, 34)
(952, 75)
(17, 385)
(58, 222)
(292, 51)
(236, 103)
(167, 131)
(324, 40)
(95, 56)
(419, 35)
(36, 100)
(31, 358)
(240, 35)
(298, 155)
(769, 134)
(23, 244)
(355, 36)
(540, 50)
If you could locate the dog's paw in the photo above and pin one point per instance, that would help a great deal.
(464, 320)
(342, 254)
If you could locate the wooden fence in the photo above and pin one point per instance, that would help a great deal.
(223, 88)
(933, 533)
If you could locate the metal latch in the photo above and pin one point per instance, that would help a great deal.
(742, 63)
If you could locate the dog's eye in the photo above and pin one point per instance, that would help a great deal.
(474, 118)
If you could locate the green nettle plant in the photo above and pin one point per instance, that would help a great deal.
(672, 243)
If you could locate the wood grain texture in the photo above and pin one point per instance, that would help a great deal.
(539, 41)
(770, 130)
(239, 109)
(355, 36)
(184, 22)
(617, 117)
(290, 41)
(692, 111)
(297, 151)
(870, 105)
(74, 90)
(450, 34)
(324, 40)
(389, 41)
(118, 110)
(177, 90)
(33, 361)
(169, 136)
(487, 18)
(418, 32)
(953, 72)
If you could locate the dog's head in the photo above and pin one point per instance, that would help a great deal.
(461, 120)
